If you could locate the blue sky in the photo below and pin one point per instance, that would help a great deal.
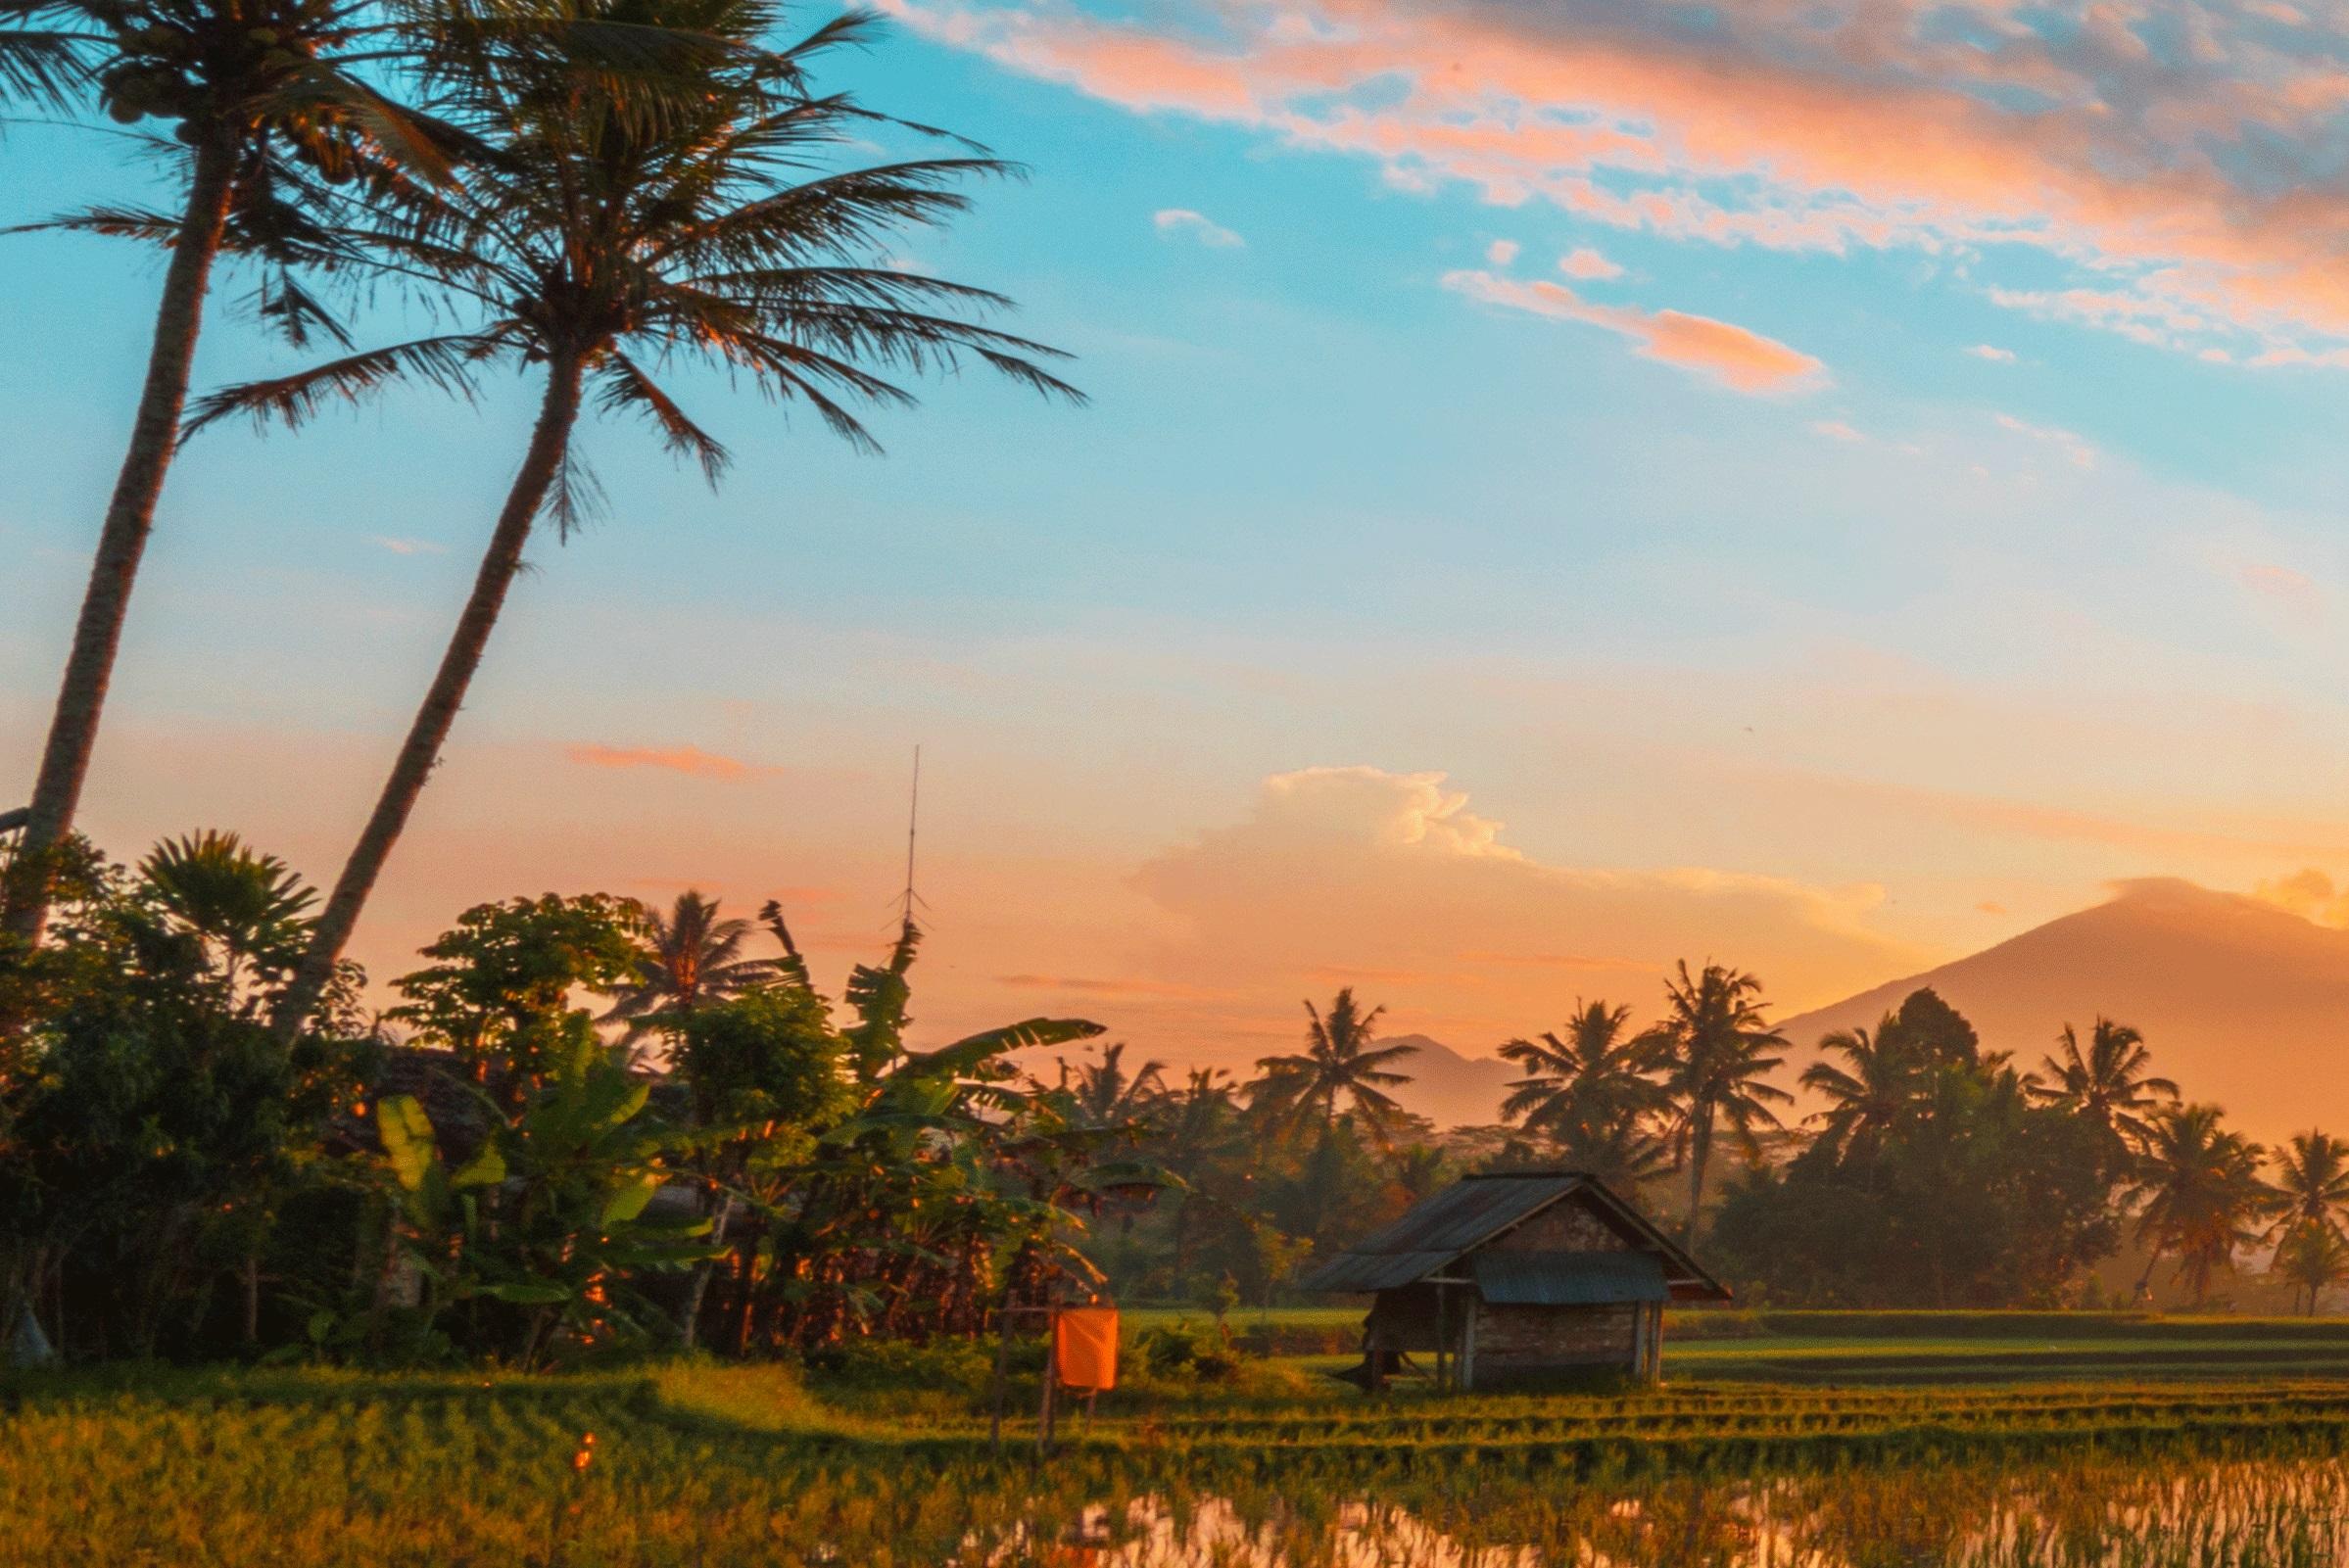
(1845, 672)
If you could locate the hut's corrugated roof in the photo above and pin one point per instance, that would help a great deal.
(1568, 1279)
(1439, 1228)
(1464, 1216)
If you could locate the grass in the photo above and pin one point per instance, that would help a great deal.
(888, 1464)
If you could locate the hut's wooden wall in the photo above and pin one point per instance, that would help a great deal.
(1566, 1226)
(1525, 1339)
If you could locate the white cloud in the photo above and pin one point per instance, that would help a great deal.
(1834, 430)
(1182, 220)
(1588, 264)
(406, 546)
(1984, 350)
(1501, 253)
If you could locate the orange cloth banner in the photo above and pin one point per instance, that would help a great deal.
(1084, 1347)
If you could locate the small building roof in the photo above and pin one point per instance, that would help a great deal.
(1478, 1210)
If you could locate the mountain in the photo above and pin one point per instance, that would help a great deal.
(1448, 1088)
(2242, 1003)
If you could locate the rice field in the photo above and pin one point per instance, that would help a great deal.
(695, 1463)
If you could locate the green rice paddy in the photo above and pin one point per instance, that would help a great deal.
(2188, 1443)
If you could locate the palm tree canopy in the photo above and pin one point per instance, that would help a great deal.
(1720, 1051)
(1339, 1064)
(2312, 1184)
(687, 209)
(1587, 1082)
(2110, 1082)
(1106, 1095)
(686, 958)
(2201, 1191)
(1878, 1087)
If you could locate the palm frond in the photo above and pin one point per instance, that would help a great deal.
(626, 385)
(446, 362)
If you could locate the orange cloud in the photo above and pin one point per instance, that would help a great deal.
(2178, 158)
(676, 759)
(1054, 982)
(1740, 359)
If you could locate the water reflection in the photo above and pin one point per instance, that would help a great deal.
(2068, 1515)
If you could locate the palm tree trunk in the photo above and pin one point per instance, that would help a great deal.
(1701, 1149)
(421, 751)
(122, 539)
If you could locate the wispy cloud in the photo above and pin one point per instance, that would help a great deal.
(1834, 430)
(1094, 988)
(1997, 356)
(1182, 220)
(673, 759)
(406, 546)
(2076, 448)
(1729, 354)
(2110, 139)
(1501, 252)
(1588, 264)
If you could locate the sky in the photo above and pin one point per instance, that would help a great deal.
(1567, 486)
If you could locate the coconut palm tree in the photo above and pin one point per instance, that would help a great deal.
(1106, 1095)
(688, 957)
(1719, 1051)
(1875, 1092)
(42, 66)
(616, 228)
(1591, 1092)
(2312, 1184)
(2313, 1259)
(266, 108)
(2201, 1192)
(2108, 1083)
(1338, 1065)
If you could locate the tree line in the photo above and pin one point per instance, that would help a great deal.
(1933, 1173)
(587, 1127)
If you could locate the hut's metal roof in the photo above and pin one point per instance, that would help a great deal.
(1464, 1216)
(1439, 1228)
(1568, 1279)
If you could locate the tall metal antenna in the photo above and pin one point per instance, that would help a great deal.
(913, 824)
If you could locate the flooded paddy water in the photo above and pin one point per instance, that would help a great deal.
(2081, 1513)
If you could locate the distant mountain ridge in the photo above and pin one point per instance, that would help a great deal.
(2244, 1003)
(1448, 1088)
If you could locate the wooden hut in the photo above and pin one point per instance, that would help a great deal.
(1518, 1275)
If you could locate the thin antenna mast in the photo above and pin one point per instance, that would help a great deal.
(913, 824)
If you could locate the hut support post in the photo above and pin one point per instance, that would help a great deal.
(1443, 1335)
(1468, 1349)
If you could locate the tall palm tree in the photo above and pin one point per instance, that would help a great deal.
(266, 108)
(1338, 1065)
(1719, 1051)
(1591, 1092)
(2110, 1083)
(1875, 1092)
(620, 223)
(686, 958)
(2202, 1195)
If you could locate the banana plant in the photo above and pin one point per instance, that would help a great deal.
(540, 1237)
